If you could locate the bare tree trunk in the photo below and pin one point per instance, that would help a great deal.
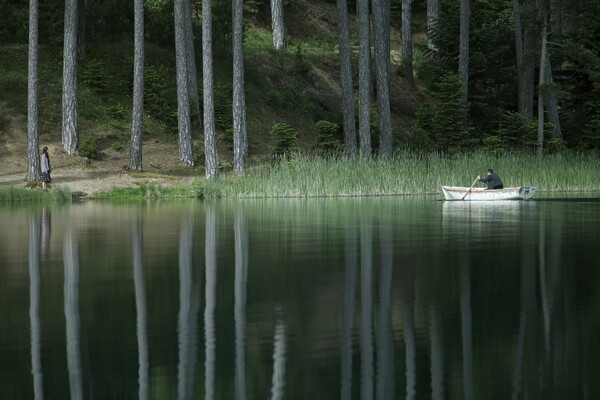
(81, 37)
(192, 77)
(463, 51)
(551, 101)
(382, 64)
(33, 135)
(277, 24)
(407, 56)
(527, 76)
(69, 93)
(183, 100)
(433, 14)
(240, 141)
(210, 135)
(346, 78)
(542, 89)
(364, 78)
(137, 118)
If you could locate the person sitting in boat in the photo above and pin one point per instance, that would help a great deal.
(493, 180)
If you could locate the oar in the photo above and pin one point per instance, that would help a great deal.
(469, 191)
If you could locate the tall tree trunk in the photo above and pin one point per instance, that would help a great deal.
(382, 64)
(346, 78)
(210, 135)
(137, 118)
(557, 8)
(277, 24)
(191, 66)
(240, 143)
(542, 88)
(527, 76)
(551, 100)
(69, 93)
(407, 56)
(183, 100)
(33, 135)
(463, 51)
(81, 36)
(433, 14)
(364, 78)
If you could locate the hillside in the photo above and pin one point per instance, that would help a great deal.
(299, 86)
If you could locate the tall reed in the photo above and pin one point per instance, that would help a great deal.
(13, 194)
(406, 173)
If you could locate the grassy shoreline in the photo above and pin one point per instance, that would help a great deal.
(405, 174)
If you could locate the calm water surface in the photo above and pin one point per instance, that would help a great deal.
(393, 298)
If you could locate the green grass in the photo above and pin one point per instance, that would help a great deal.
(13, 194)
(405, 174)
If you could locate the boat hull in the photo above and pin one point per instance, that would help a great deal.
(480, 194)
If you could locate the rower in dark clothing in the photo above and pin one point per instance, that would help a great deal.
(493, 180)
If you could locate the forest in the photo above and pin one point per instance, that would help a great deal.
(259, 79)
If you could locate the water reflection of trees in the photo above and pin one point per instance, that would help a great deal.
(137, 244)
(34, 307)
(421, 328)
(71, 263)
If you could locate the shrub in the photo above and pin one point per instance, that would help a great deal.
(117, 146)
(328, 140)
(515, 130)
(285, 138)
(88, 148)
(93, 75)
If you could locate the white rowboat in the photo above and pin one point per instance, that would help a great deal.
(481, 194)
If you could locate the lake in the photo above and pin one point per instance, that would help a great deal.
(354, 298)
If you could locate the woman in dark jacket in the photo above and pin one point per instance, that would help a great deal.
(46, 168)
(493, 180)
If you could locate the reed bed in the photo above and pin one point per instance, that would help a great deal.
(407, 173)
(12, 194)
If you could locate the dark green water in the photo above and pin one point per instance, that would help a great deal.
(393, 298)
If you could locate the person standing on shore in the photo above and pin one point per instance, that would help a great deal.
(46, 169)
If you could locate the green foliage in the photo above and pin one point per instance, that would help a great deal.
(494, 144)
(32, 193)
(446, 118)
(117, 146)
(88, 148)
(515, 131)
(302, 66)
(591, 134)
(93, 75)
(285, 138)
(223, 96)
(328, 137)
(118, 112)
(418, 140)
